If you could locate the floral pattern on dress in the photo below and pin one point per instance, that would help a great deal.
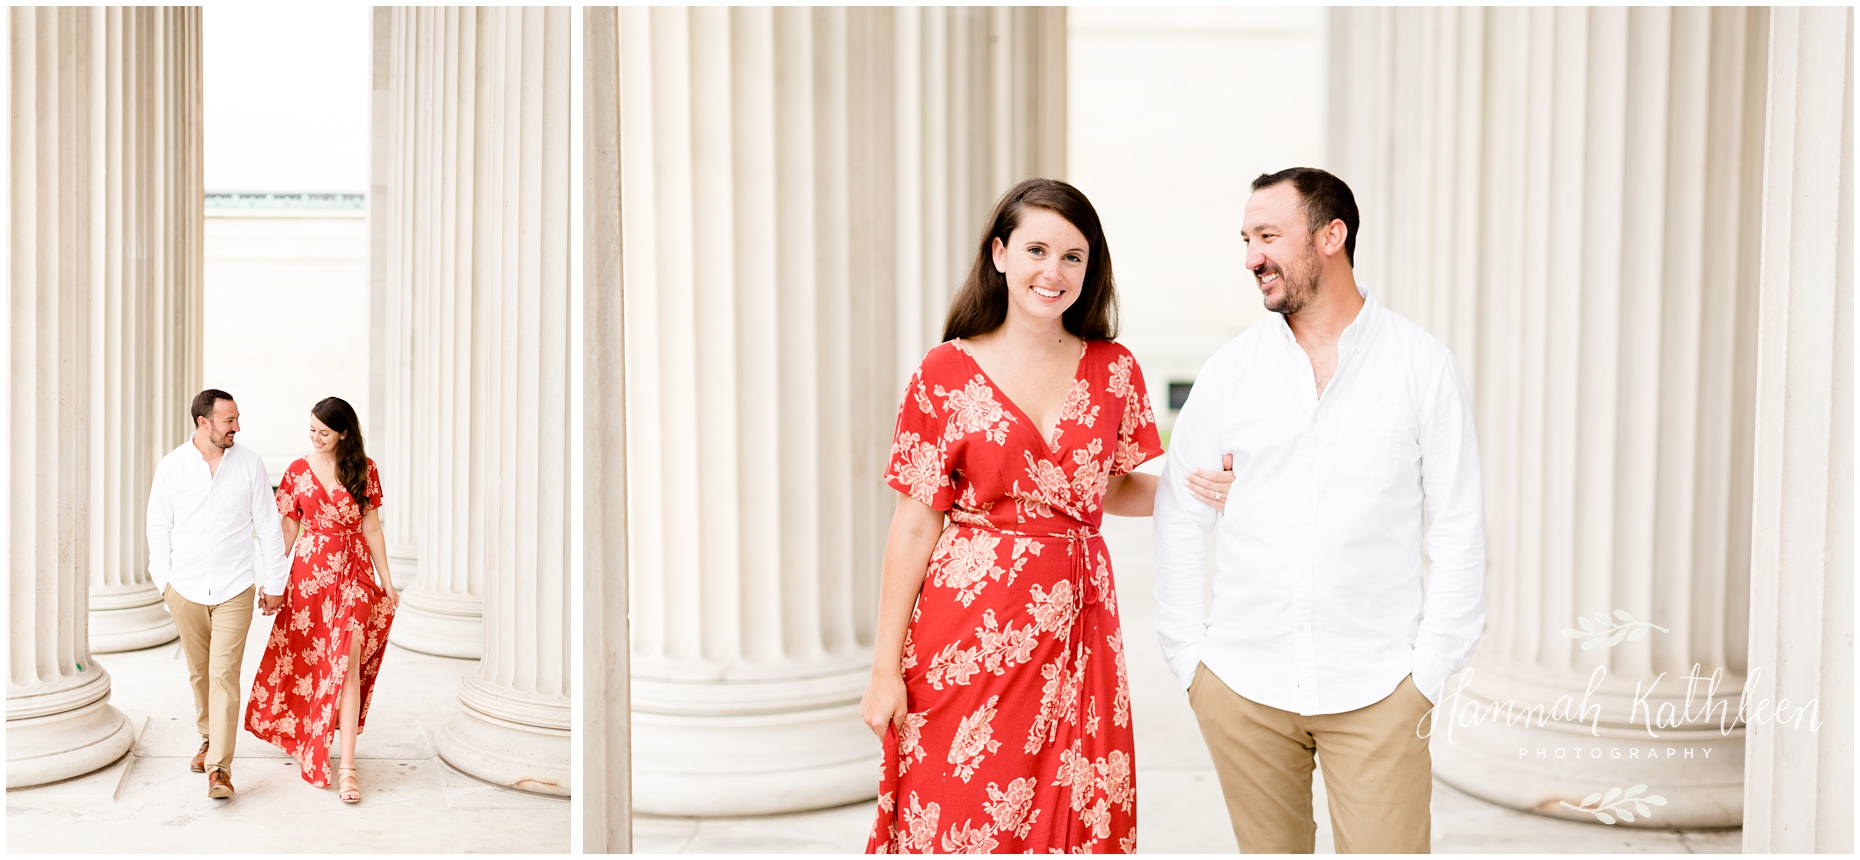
(1018, 735)
(332, 596)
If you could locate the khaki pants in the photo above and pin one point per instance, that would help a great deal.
(1377, 772)
(213, 637)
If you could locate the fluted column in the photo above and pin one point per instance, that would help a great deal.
(103, 217)
(390, 448)
(607, 781)
(433, 341)
(146, 308)
(513, 725)
(1799, 794)
(800, 190)
(1567, 198)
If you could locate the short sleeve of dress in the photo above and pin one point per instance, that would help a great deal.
(287, 494)
(373, 490)
(1137, 439)
(919, 456)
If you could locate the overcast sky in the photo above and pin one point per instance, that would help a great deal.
(287, 97)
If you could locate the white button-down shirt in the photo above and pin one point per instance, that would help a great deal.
(201, 524)
(1318, 600)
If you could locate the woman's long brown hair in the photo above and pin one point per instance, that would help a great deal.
(981, 305)
(351, 460)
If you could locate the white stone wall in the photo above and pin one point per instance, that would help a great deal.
(1171, 113)
(287, 321)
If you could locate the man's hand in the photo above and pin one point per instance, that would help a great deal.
(269, 604)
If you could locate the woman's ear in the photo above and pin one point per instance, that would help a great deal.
(1000, 255)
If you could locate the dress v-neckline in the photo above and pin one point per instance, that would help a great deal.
(321, 487)
(1050, 448)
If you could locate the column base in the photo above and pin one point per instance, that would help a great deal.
(505, 753)
(129, 621)
(761, 764)
(439, 624)
(64, 733)
(1537, 768)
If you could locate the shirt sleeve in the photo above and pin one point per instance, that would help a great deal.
(1137, 439)
(920, 465)
(160, 530)
(1453, 616)
(1182, 523)
(271, 548)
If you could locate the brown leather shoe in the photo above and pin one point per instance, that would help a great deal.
(199, 765)
(219, 785)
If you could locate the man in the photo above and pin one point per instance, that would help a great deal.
(1349, 428)
(208, 499)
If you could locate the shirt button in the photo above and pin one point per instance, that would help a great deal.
(1301, 628)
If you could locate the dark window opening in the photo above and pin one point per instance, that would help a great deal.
(1178, 394)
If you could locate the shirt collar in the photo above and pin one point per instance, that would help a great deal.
(1352, 333)
(195, 450)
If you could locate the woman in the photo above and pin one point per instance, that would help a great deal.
(319, 668)
(998, 680)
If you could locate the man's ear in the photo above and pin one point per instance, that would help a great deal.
(1330, 238)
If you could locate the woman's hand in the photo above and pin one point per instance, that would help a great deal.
(884, 702)
(1211, 487)
(388, 593)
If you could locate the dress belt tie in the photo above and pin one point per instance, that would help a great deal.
(1078, 543)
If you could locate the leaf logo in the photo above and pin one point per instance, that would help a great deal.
(1615, 804)
(1622, 627)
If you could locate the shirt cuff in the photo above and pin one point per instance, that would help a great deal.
(1430, 676)
(1185, 663)
(275, 585)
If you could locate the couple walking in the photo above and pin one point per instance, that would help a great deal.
(209, 498)
(1315, 445)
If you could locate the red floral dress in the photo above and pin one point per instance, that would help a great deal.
(1018, 737)
(296, 701)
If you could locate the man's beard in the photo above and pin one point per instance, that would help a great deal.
(1297, 287)
(220, 440)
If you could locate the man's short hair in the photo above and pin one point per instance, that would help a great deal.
(1324, 197)
(203, 404)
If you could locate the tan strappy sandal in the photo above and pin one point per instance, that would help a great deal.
(348, 788)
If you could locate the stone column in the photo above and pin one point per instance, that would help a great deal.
(103, 182)
(433, 341)
(607, 781)
(1799, 790)
(513, 727)
(1568, 199)
(146, 302)
(800, 189)
(380, 224)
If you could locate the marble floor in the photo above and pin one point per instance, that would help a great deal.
(1180, 808)
(150, 802)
